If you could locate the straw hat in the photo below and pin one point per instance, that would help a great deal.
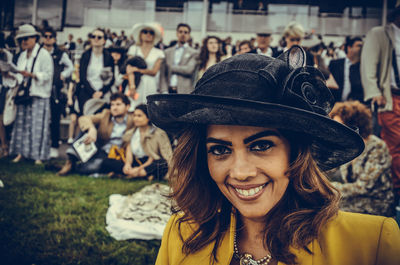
(26, 30)
(138, 27)
(256, 90)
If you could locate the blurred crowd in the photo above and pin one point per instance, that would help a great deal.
(100, 84)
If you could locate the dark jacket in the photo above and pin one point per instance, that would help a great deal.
(84, 89)
(336, 67)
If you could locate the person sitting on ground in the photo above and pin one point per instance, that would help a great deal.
(105, 129)
(367, 185)
(147, 149)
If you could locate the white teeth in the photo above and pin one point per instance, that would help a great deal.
(249, 192)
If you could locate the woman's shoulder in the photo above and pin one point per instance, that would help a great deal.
(157, 52)
(175, 227)
(348, 225)
(353, 238)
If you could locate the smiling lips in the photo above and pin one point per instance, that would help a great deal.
(250, 193)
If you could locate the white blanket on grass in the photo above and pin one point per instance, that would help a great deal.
(142, 215)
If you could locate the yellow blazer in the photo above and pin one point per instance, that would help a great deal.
(348, 239)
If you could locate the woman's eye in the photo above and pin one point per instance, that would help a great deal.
(260, 146)
(218, 150)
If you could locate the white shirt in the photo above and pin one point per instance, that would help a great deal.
(43, 70)
(396, 32)
(94, 70)
(173, 82)
(268, 53)
(346, 82)
(116, 134)
(136, 146)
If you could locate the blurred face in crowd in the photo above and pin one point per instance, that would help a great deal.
(147, 35)
(354, 51)
(263, 41)
(27, 43)
(48, 39)
(97, 39)
(292, 40)
(244, 48)
(70, 37)
(183, 34)
(249, 166)
(212, 45)
(118, 108)
(140, 119)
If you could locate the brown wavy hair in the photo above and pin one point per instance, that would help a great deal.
(354, 114)
(297, 219)
(204, 53)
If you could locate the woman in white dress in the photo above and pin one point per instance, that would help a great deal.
(147, 35)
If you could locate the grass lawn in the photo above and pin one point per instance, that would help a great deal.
(46, 219)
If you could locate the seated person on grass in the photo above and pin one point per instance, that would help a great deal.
(105, 129)
(147, 149)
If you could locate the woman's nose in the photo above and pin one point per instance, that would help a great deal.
(243, 168)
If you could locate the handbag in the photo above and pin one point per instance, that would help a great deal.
(23, 96)
(10, 109)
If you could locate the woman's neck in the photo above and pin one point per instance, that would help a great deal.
(144, 129)
(212, 56)
(97, 50)
(250, 238)
(147, 44)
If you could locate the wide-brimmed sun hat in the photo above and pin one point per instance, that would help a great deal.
(256, 90)
(26, 30)
(138, 27)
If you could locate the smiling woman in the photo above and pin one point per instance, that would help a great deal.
(248, 172)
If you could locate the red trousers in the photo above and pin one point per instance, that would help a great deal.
(390, 122)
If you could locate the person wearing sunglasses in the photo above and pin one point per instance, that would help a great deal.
(63, 69)
(293, 34)
(31, 131)
(263, 40)
(93, 63)
(146, 35)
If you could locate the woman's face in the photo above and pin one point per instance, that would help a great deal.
(140, 119)
(212, 45)
(292, 40)
(147, 35)
(97, 39)
(27, 43)
(249, 166)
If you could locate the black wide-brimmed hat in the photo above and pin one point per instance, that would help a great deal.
(256, 90)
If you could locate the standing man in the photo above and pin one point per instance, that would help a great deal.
(177, 73)
(263, 44)
(70, 44)
(63, 69)
(346, 72)
(380, 60)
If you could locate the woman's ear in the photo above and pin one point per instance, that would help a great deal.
(295, 57)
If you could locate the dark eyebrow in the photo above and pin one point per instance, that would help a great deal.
(261, 134)
(217, 141)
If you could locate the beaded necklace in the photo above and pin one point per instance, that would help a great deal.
(247, 259)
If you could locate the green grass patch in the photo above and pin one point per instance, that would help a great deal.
(47, 219)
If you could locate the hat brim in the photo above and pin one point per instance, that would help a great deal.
(137, 28)
(332, 143)
(28, 34)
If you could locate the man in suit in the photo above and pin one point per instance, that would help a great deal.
(263, 44)
(346, 72)
(380, 60)
(177, 72)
